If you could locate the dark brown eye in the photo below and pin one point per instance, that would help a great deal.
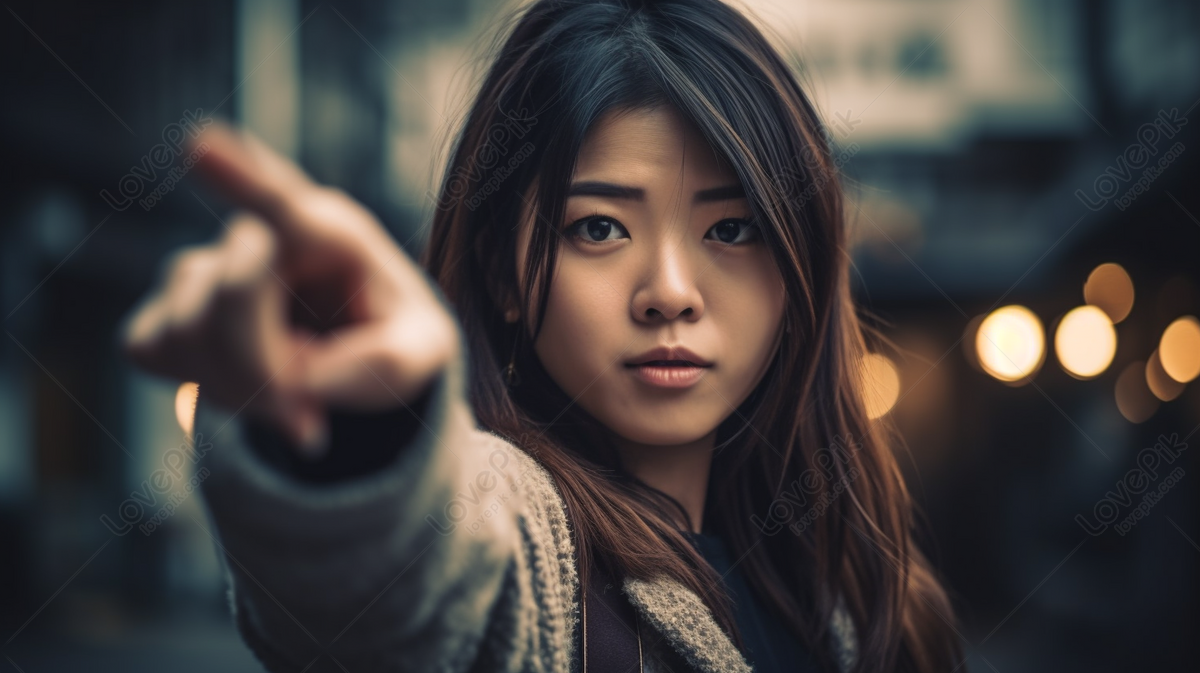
(733, 230)
(598, 229)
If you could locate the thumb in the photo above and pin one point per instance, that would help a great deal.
(369, 366)
(380, 364)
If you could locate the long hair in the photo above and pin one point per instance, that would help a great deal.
(804, 486)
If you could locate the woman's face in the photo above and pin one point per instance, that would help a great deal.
(665, 307)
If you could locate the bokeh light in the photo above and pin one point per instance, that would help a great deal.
(1163, 386)
(1179, 349)
(881, 384)
(1110, 289)
(185, 405)
(1085, 342)
(1011, 343)
(1134, 399)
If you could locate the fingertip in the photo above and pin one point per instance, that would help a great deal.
(244, 171)
(217, 131)
(221, 146)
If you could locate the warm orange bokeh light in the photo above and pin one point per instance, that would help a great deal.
(1011, 343)
(1110, 288)
(1179, 349)
(1085, 342)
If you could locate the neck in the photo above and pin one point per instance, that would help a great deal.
(681, 471)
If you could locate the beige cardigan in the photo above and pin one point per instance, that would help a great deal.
(456, 557)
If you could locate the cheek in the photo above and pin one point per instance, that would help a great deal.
(583, 329)
(746, 301)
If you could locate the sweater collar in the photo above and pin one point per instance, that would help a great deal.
(686, 623)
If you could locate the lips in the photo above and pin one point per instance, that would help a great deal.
(667, 367)
(665, 356)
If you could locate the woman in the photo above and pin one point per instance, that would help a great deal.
(652, 385)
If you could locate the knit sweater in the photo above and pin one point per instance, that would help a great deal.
(455, 556)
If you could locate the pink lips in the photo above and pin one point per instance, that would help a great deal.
(667, 367)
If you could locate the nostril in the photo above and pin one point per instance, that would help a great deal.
(654, 313)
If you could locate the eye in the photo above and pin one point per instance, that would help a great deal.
(597, 229)
(733, 230)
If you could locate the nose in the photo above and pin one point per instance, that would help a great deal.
(669, 290)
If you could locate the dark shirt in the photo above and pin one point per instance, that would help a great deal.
(768, 645)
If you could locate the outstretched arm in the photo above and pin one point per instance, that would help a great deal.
(370, 545)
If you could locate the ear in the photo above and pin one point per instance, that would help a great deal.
(507, 304)
(502, 298)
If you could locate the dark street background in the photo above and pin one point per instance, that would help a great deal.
(997, 152)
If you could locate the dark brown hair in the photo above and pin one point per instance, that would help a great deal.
(805, 486)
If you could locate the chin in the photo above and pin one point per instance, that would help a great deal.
(654, 432)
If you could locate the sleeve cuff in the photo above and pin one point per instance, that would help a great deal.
(360, 444)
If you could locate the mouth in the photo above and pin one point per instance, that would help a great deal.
(669, 367)
(667, 356)
(666, 363)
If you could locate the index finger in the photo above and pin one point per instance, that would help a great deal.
(250, 174)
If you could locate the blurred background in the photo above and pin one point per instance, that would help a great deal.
(1024, 215)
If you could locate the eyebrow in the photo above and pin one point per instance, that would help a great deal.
(615, 191)
(726, 193)
(606, 189)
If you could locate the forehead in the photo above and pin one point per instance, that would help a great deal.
(646, 144)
